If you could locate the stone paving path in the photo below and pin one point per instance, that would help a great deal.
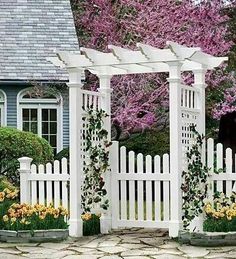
(126, 244)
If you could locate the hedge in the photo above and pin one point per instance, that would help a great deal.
(15, 144)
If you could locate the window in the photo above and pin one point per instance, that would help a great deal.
(42, 116)
(2, 108)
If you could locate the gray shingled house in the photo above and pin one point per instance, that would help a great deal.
(31, 31)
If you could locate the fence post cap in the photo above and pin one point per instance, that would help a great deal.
(25, 159)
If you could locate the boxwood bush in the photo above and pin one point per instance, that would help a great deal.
(150, 142)
(63, 153)
(15, 144)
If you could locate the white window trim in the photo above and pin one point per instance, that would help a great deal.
(40, 104)
(3, 105)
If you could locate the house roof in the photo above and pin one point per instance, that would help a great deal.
(30, 32)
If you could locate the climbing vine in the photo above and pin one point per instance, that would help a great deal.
(97, 160)
(195, 181)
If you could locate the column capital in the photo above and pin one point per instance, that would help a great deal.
(200, 85)
(75, 85)
(173, 80)
(104, 76)
(105, 90)
(200, 70)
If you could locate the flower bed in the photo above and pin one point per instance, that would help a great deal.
(38, 223)
(221, 214)
(219, 225)
(38, 236)
(207, 239)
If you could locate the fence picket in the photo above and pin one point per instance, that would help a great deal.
(56, 171)
(34, 199)
(148, 167)
(140, 187)
(157, 192)
(219, 164)
(123, 170)
(41, 189)
(166, 188)
(131, 186)
(64, 171)
(49, 184)
(228, 162)
(210, 165)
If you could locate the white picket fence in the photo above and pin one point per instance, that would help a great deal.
(140, 189)
(44, 184)
(224, 181)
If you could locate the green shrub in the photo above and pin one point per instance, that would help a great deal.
(63, 153)
(150, 142)
(15, 144)
(91, 224)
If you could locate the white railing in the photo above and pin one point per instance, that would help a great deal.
(44, 184)
(140, 189)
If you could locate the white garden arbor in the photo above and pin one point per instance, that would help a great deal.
(187, 106)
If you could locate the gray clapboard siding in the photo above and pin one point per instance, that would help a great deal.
(11, 94)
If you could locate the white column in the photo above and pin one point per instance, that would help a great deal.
(175, 147)
(199, 83)
(76, 169)
(105, 90)
(25, 169)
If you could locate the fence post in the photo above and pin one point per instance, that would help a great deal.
(114, 202)
(105, 90)
(176, 162)
(25, 164)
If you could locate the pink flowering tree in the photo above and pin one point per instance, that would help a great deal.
(228, 104)
(141, 101)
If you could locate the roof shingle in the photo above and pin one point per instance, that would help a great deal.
(31, 31)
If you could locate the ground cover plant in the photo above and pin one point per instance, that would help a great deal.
(91, 224)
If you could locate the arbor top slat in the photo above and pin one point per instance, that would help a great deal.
(146, 59)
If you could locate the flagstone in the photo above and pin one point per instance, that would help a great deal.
(61, 254)
(167, 256)
(170, 251)
(217, 255)
(111, 257)
(36, 250)
(108, 243)
(57, 246)
(193, 251)
(169, 244)
(81, 257)
(134, 246)
(9, 251)
(10, 256)
(139, 252)
(112, 250)
(82, 249)
(135, 257)
(152, 241)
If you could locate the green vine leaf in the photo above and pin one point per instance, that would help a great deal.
(97, 160)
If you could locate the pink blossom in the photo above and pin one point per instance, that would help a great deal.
(138, 100)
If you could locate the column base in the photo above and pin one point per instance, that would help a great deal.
(105, 224)
(76, 227)
(174, 228)
(196, 225)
